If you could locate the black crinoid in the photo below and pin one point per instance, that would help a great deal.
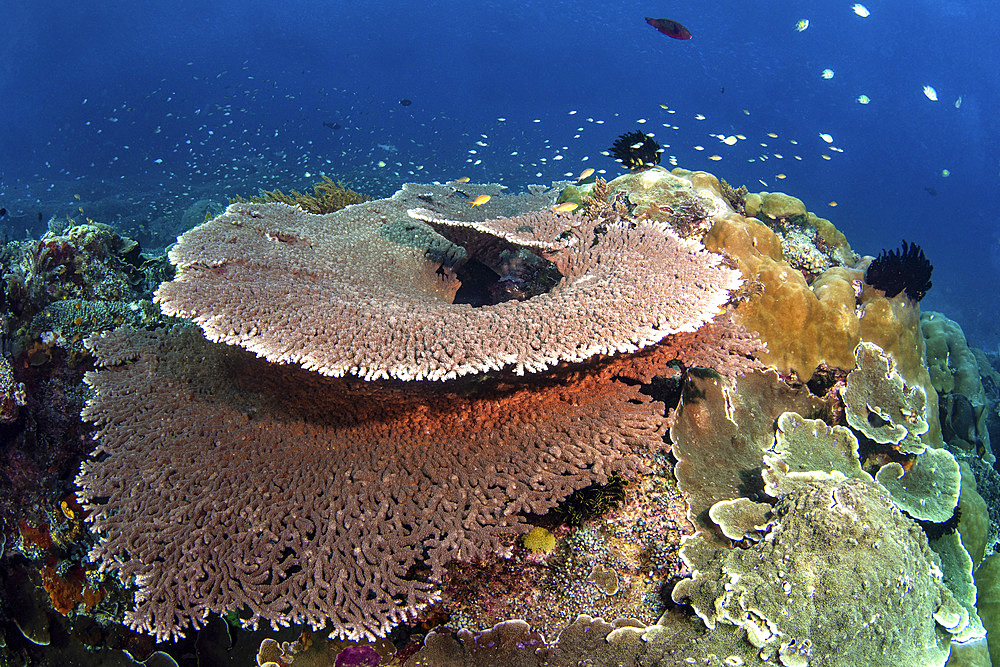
(898, 270)
(636, 150)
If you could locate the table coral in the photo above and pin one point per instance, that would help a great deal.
(231, 450)
(370, 290)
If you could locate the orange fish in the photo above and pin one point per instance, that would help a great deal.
(669, 28)
(585, 173)
(480, 200)
(463, 179)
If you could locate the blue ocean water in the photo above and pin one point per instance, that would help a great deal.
(133, 110)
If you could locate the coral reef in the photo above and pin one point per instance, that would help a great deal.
(604, 441)
(829, 515)
(369, 290)
(403, 450)
(720, 432)
(955, 372)
(735, 197)
(12, 397)
(835, 554)
(880, 404)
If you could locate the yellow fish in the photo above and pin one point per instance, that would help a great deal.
(833, 203)
(801, 25)
(480, 200)
(585, 173)
(780, 176)
(462, 179)
(716, 158)
(565, 207)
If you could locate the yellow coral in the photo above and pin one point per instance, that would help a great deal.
(802, 327)
(539, 540)
(327, 197)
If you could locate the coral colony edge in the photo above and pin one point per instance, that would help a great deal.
(652, 421)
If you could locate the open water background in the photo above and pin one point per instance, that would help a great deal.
(141, 108)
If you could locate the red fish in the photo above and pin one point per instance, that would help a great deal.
(670, 28)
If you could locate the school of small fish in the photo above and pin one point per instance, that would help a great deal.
(513, 148)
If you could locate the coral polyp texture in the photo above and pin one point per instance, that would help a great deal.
(232, 483)
(370, 290)
(901, 270)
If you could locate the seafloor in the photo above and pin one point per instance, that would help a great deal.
(653, 421)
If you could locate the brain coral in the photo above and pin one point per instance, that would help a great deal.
(369, 290)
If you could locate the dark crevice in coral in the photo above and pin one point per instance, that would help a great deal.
(938, 530)
(521, 276)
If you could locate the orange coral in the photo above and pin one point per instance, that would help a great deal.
(34, 538)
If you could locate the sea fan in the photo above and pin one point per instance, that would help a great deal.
(636, 150)
(898, 270)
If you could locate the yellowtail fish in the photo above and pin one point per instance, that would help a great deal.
(565, 207)
(462, 179)
(585, 173)
(833, 203)
(480, 200)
